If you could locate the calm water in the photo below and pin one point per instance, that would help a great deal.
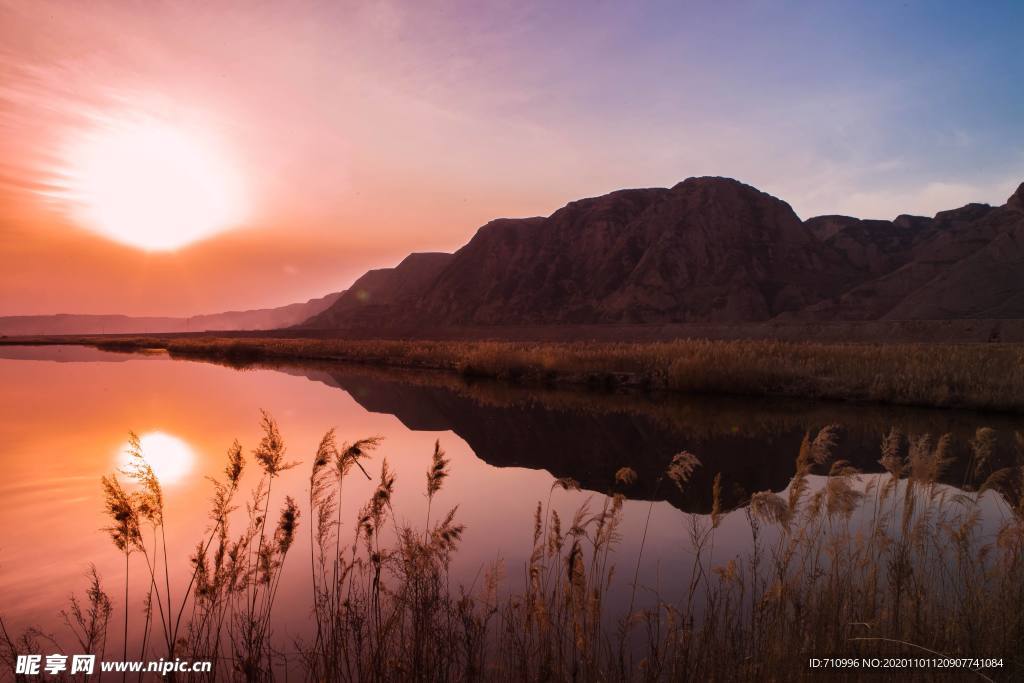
(65, 413)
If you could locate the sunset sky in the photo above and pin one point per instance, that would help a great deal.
(326, 138)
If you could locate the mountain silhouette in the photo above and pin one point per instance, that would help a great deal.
(708, 250)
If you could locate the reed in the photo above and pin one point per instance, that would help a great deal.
(976, 376)
(841, 564)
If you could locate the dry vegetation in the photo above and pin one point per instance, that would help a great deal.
(974, 376)
(894, 565)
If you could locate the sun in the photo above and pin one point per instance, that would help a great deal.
(149, 184)
(170, 457)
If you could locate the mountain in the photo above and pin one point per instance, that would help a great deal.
(963, 263)
(710, 250)
(258, 319)
(378, 291)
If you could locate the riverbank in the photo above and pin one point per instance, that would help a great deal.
(970, 376)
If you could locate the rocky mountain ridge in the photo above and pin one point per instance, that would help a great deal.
(708, 250)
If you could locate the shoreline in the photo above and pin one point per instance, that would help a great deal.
(985, 377)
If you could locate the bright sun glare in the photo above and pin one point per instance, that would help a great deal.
(170, 457)
(150, 185)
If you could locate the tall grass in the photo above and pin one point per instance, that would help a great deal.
(842, 565)
(976, 376)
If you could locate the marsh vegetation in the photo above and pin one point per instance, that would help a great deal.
(972, 376)
(892, 564)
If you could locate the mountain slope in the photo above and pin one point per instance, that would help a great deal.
(380, 290)
(958, 264)
(987, 281)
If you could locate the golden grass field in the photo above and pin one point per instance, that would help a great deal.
(975, 376)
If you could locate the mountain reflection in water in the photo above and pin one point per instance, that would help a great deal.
(753, 444)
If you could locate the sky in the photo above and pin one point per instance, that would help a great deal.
(352, 133)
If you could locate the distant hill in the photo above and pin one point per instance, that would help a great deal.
(708, 250)
(258, 319)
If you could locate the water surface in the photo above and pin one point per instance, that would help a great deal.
(64, 424)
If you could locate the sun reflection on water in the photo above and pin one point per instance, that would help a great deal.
(170, 457)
